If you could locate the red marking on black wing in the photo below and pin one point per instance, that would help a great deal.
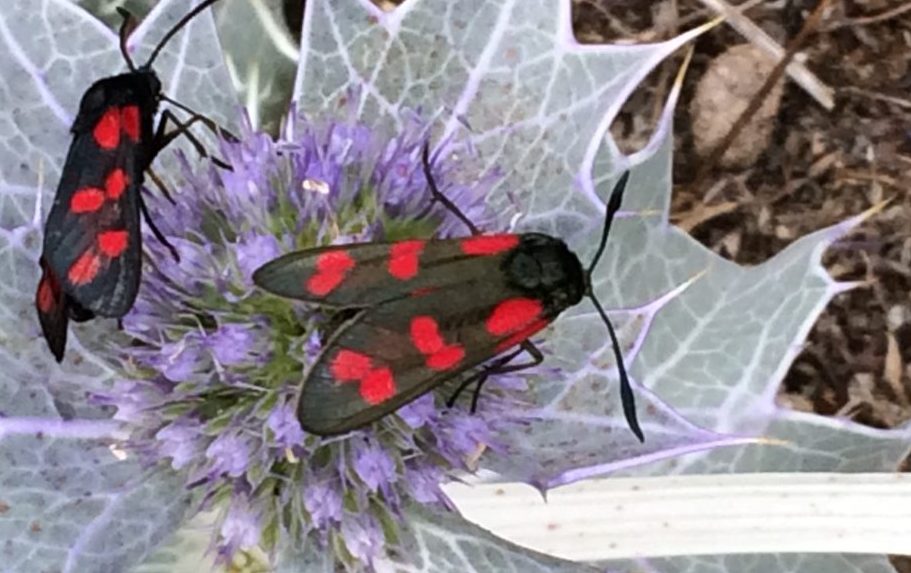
(92, 240)
(87, 200)
(512, 315)
(96, 253)
(404, 259)
(55, 309)
(107, 131)
(332, 268)
(131, 122)
(389, 354)
(426, 337)
(52, 311)
(365, 274)
(486, 245)
(115, 184)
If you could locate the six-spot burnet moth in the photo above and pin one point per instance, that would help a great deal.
(90, 262)
(423, 312)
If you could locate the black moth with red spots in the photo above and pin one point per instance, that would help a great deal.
(92, 244)
(427, 311)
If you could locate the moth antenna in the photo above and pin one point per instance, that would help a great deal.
(126, 27)
(613, 205)
(176, 28)
(439, 196)
(627, 398)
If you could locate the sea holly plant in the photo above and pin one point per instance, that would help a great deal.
(187, 407)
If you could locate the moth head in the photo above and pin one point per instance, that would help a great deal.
(544, 267)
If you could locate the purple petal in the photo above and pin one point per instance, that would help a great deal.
(181, 441)
(463, 434)
(424, 483)
(418, 413)
(178, 361)
(363, 536)
(230, 454)
(253, 252)
(374, 466)
(241, 528)
(231, 344)
(283, 422)
(323, 502)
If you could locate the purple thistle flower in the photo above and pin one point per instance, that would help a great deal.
(133, 400)
(253, 251)
(240, 529)
(323, 501)
(423, 482)
(374, 466)
(179, 441)
(418, 413)
(363, 537)
(283, 423)
(211, 382)
(230, 454)
(177, 361)
(231, 344)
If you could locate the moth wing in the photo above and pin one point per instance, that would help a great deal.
(55, 309)
(389, 354)
(93, 199)
(365, 274)
(52, 312)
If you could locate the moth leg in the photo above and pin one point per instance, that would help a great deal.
(438, 195)
(499, 366)
(481, 377)
(164, 138)
(161, 186)
(210, 123)
(155, 231)
(536, 358)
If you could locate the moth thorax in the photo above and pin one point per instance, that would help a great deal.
(144, 85)
(141, 87)
(545, 268)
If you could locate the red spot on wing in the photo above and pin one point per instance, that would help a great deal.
(113, 243)
(425, 335)
(349, 365)
(87, 200)
(512, 315)
(446, 358)
(107, 130)
(521, 335)
(377, 386)
(115, 184)
(489, 244)
(84, 269)
(48, 294)
(403, 259)
(46, 298)
(331, 269)
(129, 115)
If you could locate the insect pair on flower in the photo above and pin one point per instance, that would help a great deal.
(419, 313)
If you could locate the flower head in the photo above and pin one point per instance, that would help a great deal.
(211, 381)
(240, 528)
